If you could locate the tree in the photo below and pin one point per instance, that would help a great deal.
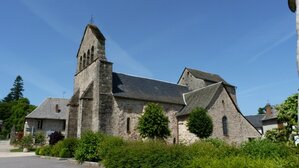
(262, 110)
(287, 113)
(153, 123)
(18, 111)
(200, 123)
(15, 91)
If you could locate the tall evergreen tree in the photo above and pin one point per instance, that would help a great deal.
(16, 92)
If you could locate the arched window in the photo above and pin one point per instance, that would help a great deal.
(128, 125)
(88, 56)
(92, 53)
(80, 64)
(84, 60)
(224, 126)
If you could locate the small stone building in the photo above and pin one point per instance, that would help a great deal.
(112, 102)
(48, 117)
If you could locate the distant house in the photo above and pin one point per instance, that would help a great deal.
(48, 117)
(267, 121)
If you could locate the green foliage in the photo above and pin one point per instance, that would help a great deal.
(288, 112)
(65, 148)
(27, 142)
(45, 150)
(55, 137)
(69, 146)
(16, 91)
(55, 149)
(236, 162)
(147, 154)
(37, 151)
(107, 144)
(200, 123)
(17, 113)
(262, 110)
(88, 147)
(265, 149)
(277, 135)
(153, 123)
(40, 138)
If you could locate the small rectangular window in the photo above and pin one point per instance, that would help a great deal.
(128, 125)
(39, 124)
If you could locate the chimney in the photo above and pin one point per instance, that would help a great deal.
(268, 109)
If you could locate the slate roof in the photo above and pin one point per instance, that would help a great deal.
(147, 89)
(207, 76)
(272, 116)
(47, 110)
(203, 98)
(255, 120)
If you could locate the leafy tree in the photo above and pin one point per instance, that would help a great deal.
(277, 135)
(200, 123)
(287, 113)
(262, 110)
(15, 91)
(18, 111)
(153, 123)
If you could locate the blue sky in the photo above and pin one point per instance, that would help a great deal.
(251, 44)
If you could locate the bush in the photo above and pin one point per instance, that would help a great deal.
(88, 146)
(265, 149)
(27, 142)
(37, 151)
(39, 138)
(45, 150)
(200, 123)
(55, 137)
(147, 154)
(56, 149)
(65, 148)
(107, 144)
(236, 161)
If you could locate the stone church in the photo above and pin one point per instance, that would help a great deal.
(112, 102)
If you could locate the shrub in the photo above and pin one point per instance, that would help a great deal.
(153, 123)
(200, 123)
(265, 149)
(45, 150)
(37, 151)
(107, 144)
(236, 161)
(88, 145)
(55, 137)
(39, 138)
(147, 154)
(56, 149)
(27, 142)
(65, 148)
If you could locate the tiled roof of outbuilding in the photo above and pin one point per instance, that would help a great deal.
(147, 89)
(203, 98)
(207, 76)
(47, 110)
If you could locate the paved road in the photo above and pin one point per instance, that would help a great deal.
(29, 160)
(35, 162)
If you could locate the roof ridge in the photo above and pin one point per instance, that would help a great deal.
(147, 78)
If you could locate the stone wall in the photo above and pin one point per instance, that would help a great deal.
(239, 129)
(133, 109)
